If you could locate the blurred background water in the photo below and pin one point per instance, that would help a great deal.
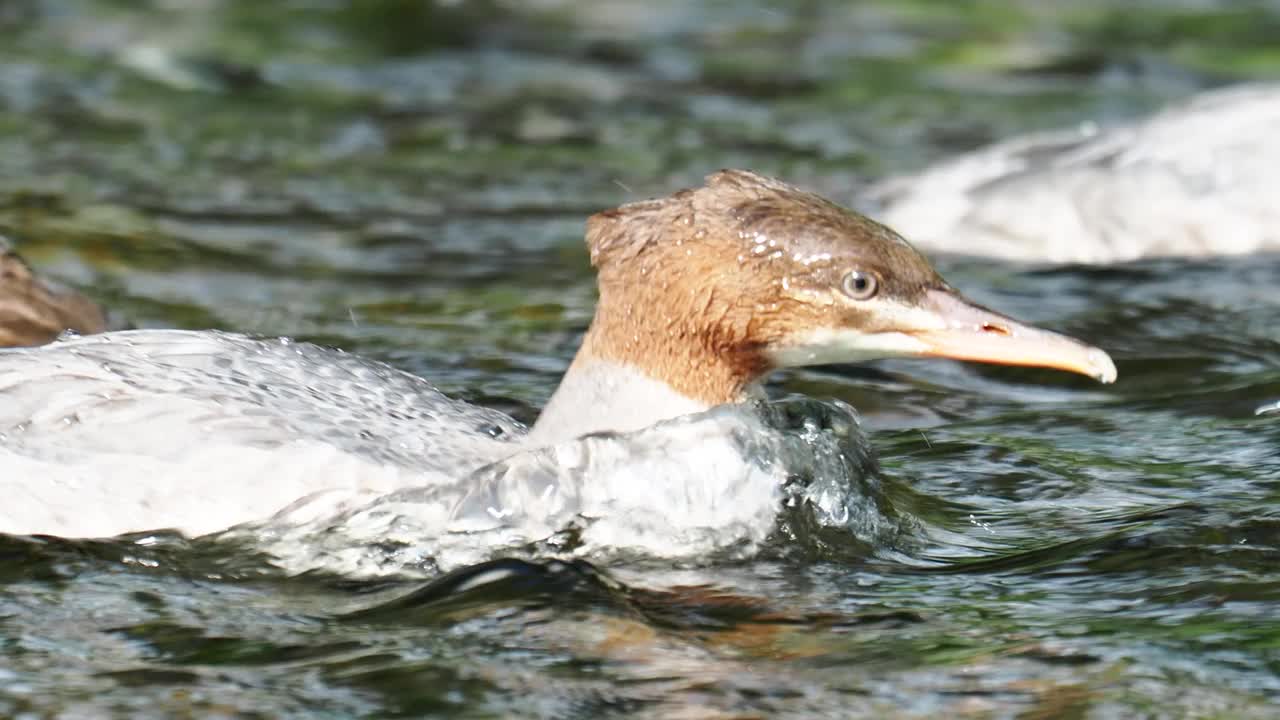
(408, 180)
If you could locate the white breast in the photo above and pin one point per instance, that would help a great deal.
(597, 396)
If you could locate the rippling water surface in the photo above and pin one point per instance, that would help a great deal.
(408, 181)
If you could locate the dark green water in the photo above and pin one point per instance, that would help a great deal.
(409, 181)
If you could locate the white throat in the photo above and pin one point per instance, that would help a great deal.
(597, 395)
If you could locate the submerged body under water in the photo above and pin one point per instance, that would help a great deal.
(288, 443)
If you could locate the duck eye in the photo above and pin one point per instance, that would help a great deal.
(860, 285)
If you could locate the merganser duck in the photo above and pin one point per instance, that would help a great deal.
(1196, 179)
(702, 294)
(34, 311)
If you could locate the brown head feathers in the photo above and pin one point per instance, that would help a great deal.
(695, 287)
(33, 311)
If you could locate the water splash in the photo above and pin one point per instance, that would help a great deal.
(703, 486)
